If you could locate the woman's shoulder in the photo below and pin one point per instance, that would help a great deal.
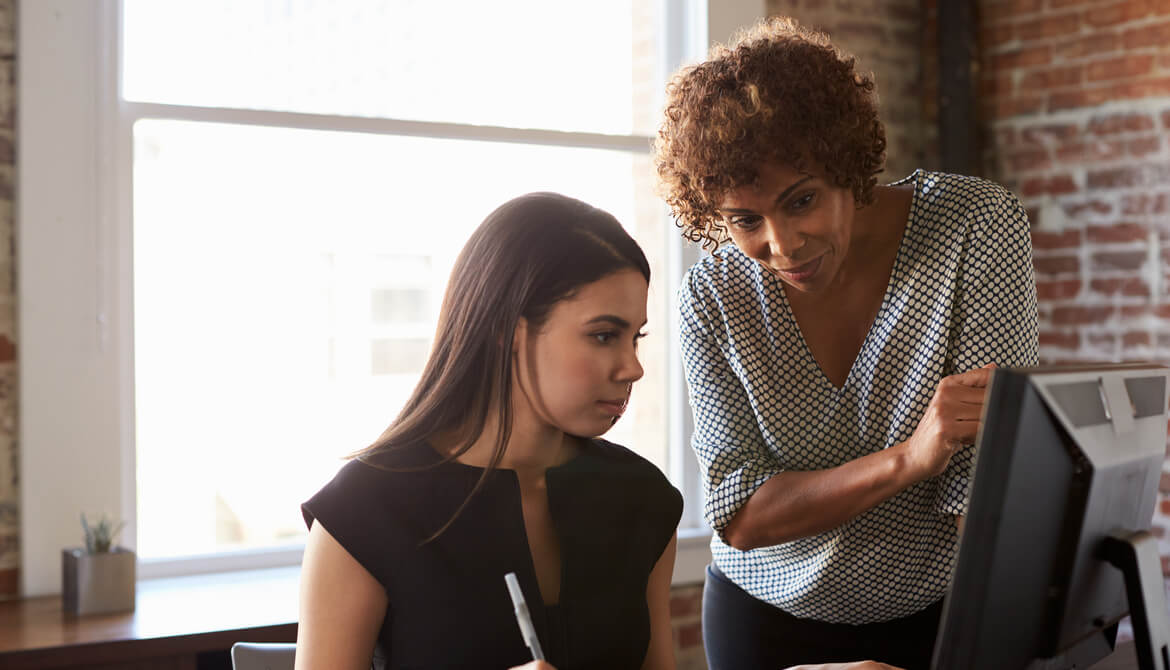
(378, 477)
(947, 192)
(722, 284)
(608, 460)
(610, 486)
(725, 266)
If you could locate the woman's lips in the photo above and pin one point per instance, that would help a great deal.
(614, 407)
(801, 272)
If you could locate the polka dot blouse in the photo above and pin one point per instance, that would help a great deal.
(961, 295)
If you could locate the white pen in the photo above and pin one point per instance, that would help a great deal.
(527, 630)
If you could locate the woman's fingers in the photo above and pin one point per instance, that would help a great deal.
(979, 377)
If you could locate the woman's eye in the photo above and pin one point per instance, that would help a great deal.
(744, 222)
(604, 338)
(803, 201)
(638, 336)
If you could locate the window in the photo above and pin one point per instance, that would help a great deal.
(261, 228)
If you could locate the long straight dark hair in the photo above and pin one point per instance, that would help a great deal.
(530, 253)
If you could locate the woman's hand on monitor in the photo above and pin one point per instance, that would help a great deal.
(950, 422)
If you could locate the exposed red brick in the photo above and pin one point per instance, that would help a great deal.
(1093, 44)
(1054, 265)
(1120, 232)
(1056, 240)
(1053, 185)
(1146, 87)
(1154, 35)
(994, 34)
(7, 349)
(688, 604)
(1089, 97)
(1105, 150)
(1049, 25)
(1164, 508)
(1008, 108)
(1102, 340)
(1006, 137)
(1146, 174)
(1141, 147)
(998, 10)
(1144, 203)
(1079, 315)
(1131, 65)
(1056, 77)
(1029, 159)
(689, 635)
(1061, 4)
(1118, 12)
(1134, 339)
(1119, 260)
(1024, 57)
(1050, 133)
(1058, 290)
(1130, 312)
(1128, 286)
(1060, 340)
(1117, 123)
(9, 581)
(996, 84)
(1088, 208)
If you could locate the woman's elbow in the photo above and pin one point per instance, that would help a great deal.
(736, 536)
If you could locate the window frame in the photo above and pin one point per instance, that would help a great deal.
(75, 311)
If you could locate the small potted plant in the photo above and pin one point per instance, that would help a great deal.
(99, 578)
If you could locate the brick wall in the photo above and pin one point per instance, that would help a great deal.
(9, 536)
(686, 604)
(886, 36)
(1075, 101)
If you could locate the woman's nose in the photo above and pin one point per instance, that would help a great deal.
(631, 368)
(783, 239)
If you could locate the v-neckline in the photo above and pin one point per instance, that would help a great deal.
(530, 561)
(882, 308)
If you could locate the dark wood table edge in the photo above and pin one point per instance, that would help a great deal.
(124, 650)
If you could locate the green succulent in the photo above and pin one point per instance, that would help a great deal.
(99, 538)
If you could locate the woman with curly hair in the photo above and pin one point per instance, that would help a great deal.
(837, 351)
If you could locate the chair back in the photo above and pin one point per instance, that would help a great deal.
(263, 656)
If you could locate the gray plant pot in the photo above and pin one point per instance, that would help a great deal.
(97, 583)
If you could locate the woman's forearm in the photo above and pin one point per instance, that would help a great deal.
(796, 504)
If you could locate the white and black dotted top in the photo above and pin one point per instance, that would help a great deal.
(961, 295)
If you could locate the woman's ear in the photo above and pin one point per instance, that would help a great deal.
(519, 335)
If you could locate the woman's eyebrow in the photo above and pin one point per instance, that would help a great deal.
(609, 318)
(780, 198)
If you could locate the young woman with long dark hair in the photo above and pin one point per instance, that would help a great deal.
(494, 466)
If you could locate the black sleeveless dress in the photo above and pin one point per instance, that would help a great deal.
(613, 511)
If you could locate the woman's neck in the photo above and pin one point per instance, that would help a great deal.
(532, 446)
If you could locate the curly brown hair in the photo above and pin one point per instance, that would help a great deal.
(779, 92)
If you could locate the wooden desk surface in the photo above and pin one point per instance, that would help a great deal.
(174, 617)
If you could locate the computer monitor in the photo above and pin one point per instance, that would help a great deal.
(1066, 476)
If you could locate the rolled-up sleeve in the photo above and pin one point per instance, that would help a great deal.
(727, 440)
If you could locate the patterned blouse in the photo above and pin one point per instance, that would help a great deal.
(961, 295)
